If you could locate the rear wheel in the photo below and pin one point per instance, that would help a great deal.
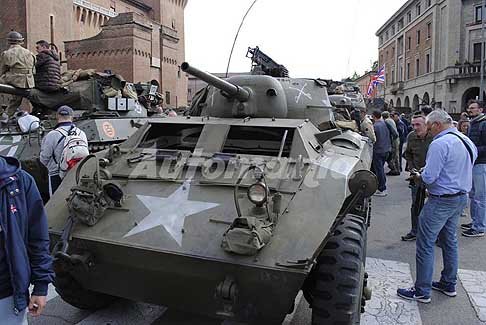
(71, 291)
(334, 289)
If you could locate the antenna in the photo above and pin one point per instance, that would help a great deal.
(236, 36)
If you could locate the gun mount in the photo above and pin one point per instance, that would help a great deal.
(263, 64)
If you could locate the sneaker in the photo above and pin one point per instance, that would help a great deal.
(448, 290)
(393, 174)
(411, 294)
(472, 233)
(380, 193)
(409, 237)
(466, 226)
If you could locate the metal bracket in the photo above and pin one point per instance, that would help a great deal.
(300, 264)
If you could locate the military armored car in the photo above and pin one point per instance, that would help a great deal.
(228, 212)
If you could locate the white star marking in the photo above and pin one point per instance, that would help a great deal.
(170, 212)
(12, 148)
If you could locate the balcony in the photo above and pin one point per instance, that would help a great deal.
(397, 88)
(465, 70)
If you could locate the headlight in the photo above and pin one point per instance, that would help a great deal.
(257, 193)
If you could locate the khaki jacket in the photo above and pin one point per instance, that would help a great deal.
(367, 129)
(17, 67)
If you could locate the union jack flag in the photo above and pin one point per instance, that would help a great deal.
(377, 79)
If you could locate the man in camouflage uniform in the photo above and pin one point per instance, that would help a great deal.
(16, 68)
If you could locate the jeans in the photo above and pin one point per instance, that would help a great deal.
(438, 219)
(378, 166)
(7, 315)
(478, 198)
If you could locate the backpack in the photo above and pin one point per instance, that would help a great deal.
(75, 148)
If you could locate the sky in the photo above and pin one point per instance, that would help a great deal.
(312, 38)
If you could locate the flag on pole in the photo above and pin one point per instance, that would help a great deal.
(377, 79)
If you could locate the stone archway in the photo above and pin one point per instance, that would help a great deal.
(471, 93)
(406, 102)
(399, 102)
(415, 103)
(426, 99)
(391, 103)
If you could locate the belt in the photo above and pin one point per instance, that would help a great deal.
(21, 71)
(448, 195)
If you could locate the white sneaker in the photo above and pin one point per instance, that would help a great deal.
(380, 193)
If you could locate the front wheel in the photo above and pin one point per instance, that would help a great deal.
(74, 294)
(334, 288)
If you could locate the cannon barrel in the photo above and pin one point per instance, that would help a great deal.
(232, 90)
(10, 90)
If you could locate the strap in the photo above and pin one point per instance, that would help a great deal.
(60, 140)
(466, 145)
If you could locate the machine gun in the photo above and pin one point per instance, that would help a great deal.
(263, 64)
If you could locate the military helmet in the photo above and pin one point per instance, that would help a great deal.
(14, 37)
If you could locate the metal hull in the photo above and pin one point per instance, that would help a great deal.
(187, 282)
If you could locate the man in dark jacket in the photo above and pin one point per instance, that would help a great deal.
(48, 68)
(477, 134)
(24, 245)
(381, 150)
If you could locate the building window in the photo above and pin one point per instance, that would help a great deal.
(393, 75)
(112, 5)
(418, 37)
(478, 16)
(427, 63)
(429, 3)
(417, 67)
(381, 39)
(418, 7)
(179, 72)
(393, 30)
(429, 30)
(400, 45)
(83, 16)
(167, 97)
(409, 17)
(173, 24)
(477, 52)
(408, 70)
(409, 43)
(400, 24)
(386, 55)
(386, 36)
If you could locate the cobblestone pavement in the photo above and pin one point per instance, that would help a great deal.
(474, 284)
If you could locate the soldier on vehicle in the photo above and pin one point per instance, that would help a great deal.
(17, 68)
(48, 68)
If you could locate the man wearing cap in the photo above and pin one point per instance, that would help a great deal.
(53, 145)
(17, 68)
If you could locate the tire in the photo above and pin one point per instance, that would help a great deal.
(74, 294)
(334, 289)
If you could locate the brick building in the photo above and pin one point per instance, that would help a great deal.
(139, 39)
(432, 50)
(364, 81)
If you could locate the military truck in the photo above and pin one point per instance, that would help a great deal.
(228, 212)
(105, 120)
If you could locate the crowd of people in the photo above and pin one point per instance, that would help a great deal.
(447, 164)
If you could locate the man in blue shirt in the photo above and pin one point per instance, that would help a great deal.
(381, 150)
(447, 176)
(477, 134)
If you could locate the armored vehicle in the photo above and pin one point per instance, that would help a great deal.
(229, 213)
(105, 120)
